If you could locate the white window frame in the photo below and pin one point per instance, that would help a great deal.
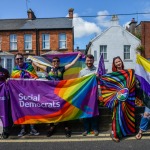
(28, 41)
(9, 66)
(103, 50)
(95, 55)
(62, 41)
(13, 42)
(45, 41)
(127, 52)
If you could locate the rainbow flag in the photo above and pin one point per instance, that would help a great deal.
(66, 58)
(37, 101)
(118, 92)
(27, 71)
(142, 72)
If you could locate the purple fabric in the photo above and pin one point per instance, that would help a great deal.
(4, 105)
(101, 66)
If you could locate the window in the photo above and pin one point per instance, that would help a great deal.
(103, 50)
(45, 41)
(95, 55)
(126, 52)
(27, 41)
(2, 62)
(0, 42)
(9, 65)
(62, 41)
(13, 42)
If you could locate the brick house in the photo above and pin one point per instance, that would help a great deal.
(142, 31)
(35, 36)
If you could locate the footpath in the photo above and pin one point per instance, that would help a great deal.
(105, 119)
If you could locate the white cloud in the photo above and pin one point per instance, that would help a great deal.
(102, 19)
(84, 28)
(126, 24)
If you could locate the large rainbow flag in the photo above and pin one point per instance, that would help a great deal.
(118, 92)
(142, 72)
(66, 58)
(34, 101)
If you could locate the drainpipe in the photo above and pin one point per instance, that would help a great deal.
(37, 42)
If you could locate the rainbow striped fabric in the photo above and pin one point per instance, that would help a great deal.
(142, 72)
(66, 58)
(53, 101)
(118, 92)
(27, 71)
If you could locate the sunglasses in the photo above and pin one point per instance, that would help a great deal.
(19, 58)
(56, 61)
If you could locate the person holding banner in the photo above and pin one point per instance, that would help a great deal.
(24, 70)
(56, 73)
(4, 74)
(93, 121)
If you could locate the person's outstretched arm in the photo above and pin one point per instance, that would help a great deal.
(40, 66)
(73, 62)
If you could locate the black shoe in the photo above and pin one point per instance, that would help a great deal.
(5, 135)
(68, 133)
(50, 132)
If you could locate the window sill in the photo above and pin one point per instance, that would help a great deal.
(46, 49)
(13, 50)
(63, 49)
(129, 60)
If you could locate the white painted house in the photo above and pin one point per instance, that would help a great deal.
(115, 41)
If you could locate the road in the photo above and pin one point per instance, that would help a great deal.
(76, 142)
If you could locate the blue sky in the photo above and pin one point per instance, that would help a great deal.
(86, 27)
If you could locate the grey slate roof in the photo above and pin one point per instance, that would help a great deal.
(38, 23)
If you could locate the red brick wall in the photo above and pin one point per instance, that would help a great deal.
(145, 38)
(54, 41)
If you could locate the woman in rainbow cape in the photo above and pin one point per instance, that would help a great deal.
(24, 70)
(118, 92)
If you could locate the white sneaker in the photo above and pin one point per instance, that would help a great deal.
(22, 133)
(34, 132)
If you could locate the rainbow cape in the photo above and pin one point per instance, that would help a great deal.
(142, 72)
(27, 71)
(118, 92)
(53, 101)
(66, 58)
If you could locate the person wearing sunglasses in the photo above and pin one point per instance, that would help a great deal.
(56, 73)
(24, 70)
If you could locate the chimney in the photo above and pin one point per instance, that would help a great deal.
(71, 13)
(114, 20)
(132, 26)
(31, 15)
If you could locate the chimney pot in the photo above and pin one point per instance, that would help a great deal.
(31, 14)
(71, 13)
